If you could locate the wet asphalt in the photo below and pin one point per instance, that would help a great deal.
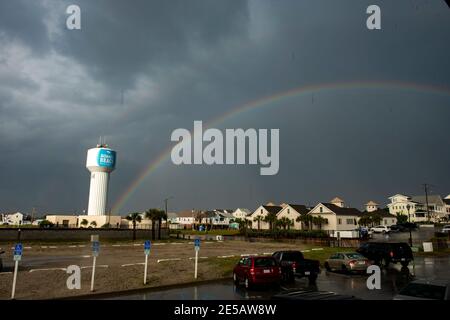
(392, 280)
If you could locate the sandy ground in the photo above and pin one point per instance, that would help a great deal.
(120, 267)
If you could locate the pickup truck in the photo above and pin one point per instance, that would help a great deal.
(293, 264)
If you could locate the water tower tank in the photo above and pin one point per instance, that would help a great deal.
(101, 161)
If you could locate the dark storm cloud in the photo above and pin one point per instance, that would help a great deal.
(136, 71)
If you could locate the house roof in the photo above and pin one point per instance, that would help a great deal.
(246, 211)
(432, 199)
(187, 214)
(299, 208)
(446, 201)
(342, 211)
(337, 199)
(384, 213)
(371, 203)
(273, 209)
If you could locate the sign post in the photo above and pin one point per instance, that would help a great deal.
(95, 250)
(17, 257)
(147, 245)
(197, 248)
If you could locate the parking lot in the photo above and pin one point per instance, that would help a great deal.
(392, 280)
(42, 271)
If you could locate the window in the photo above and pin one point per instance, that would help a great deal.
(349, 221)
(261, 211)
(321, 209)
(339, 221)
(289, 211)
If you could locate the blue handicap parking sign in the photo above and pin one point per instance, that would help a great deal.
(147, 245)
(95, 246)
(197, 242)
(18, 249)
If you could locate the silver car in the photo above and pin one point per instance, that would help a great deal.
(425, 290)
(347, 262)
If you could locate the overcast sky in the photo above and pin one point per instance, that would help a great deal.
(138, 70)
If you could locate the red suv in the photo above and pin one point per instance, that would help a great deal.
(257, 270)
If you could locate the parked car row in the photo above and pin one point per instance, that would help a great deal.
(285, 266)
(281, 266)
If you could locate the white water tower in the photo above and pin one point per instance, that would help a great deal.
(101, 161)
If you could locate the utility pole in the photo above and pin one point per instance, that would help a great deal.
(426, 200)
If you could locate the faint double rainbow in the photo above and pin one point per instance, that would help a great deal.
(270, 101)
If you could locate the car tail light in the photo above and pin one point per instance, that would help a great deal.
(367, 262)
(352, 263)
(279, 270)
(391, 254)
(294, 266)
(252, 271)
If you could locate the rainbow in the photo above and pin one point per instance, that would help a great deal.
(270, 101)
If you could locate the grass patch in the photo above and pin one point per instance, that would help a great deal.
(223, 266)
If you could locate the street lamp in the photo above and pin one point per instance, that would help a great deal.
(167, 214)
(409, 220)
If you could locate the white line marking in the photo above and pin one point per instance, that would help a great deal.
(132, 264)
(192, 258)
(137, 244)
(81, 246)
(177, 243)
(230, 256)
(116, 245)
(162, 260)
(99, 266)
(208, 242)
(158, 244)
(48, 269)
(52, 247)
(27, 247)
(269, 253)
(72, 246)
(306, 250)
(85, 256)
(317, 249)
(6, 272)
(44, 247)
(248, 254)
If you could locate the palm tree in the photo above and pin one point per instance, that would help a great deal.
(285, 223)
(84, 222)
(152, 214)
(271, 218)
(94, 224)
(134, 217)
(160, 215)
(258, 219)
(319, 221)
(305, 219)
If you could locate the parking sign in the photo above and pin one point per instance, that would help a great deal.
(95, 248)
(197, 243)
(18, 252)
(147, 245)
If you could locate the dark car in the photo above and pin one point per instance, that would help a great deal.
(257, 270)
(383, 253)
(293, 264)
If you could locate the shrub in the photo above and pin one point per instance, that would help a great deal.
(45, 224)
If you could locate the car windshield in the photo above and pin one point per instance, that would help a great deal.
(264, 262)
(421, 290)
(354, 255)
(293, 256)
